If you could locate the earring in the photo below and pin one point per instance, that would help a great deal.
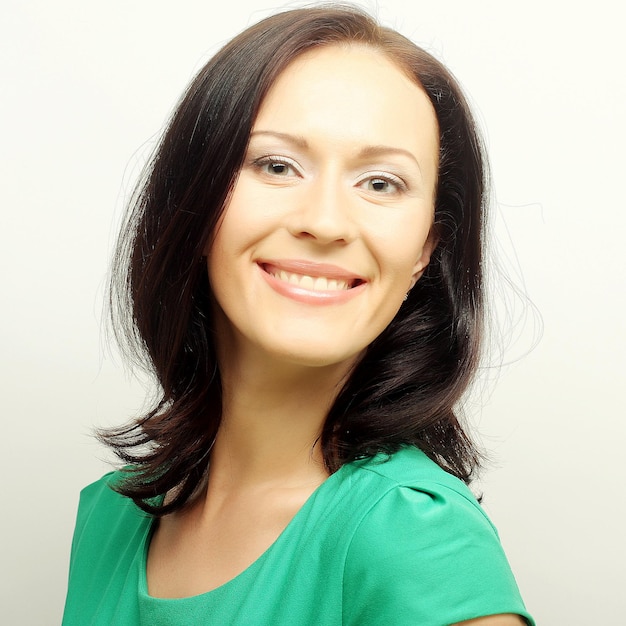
(406, 296)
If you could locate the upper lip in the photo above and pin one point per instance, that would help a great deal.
(312, 268)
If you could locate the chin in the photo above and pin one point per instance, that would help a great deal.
(316, 356)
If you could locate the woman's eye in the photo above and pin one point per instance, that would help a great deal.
(383, 184)
(279, 169)
(274, 166)
(380, 185)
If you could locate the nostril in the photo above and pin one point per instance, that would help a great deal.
(306, 234)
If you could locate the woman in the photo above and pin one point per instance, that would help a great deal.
(302, 268)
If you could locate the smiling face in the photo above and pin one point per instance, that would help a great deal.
(329, 222)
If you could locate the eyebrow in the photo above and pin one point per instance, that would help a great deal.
(366, 152)
(296, 140)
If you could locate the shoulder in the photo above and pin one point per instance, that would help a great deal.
(410, 488)
(101, 495)
(109, 535)
(103, 514)
(423, 549)
(418, 506)
(99, 489)
(410, 467)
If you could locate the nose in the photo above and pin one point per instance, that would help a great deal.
(323, 212)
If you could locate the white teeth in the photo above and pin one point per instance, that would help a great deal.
(330, 284)
(312, 283)
(307, 282)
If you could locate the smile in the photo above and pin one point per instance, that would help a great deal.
(314, 283)
(311, 282)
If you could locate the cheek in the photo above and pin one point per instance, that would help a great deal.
(401, 244)
(249, 216)
(222, 255)
(237, 228)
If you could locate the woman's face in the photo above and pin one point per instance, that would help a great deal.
(329, 222)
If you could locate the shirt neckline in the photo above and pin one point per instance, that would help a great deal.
(248, 571)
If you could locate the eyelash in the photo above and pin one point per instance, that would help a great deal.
(266, 160)
(394, 181)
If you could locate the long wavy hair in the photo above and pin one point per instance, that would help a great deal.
(406, 388)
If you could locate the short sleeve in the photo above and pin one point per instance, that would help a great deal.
(107, 541)
(426, 556)
(88, 499)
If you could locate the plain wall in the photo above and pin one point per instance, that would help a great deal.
(87, 86)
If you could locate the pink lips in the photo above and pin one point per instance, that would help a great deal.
(347, 284)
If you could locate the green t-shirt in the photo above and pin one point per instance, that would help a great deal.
(388, 540)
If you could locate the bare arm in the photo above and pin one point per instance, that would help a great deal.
(494, 620)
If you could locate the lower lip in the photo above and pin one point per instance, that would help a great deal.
(309, 296)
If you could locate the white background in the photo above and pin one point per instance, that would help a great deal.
(85, 88)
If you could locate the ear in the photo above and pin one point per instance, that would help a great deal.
(424, 259)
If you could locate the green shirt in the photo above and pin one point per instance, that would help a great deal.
(388, 540)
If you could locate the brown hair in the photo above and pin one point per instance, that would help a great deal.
(406, 388)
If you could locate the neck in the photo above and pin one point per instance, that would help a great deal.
(272, 419)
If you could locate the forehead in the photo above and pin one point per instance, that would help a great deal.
(351, 93)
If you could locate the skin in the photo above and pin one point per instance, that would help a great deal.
(338, 183)
(494, 620)
(309, 192)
